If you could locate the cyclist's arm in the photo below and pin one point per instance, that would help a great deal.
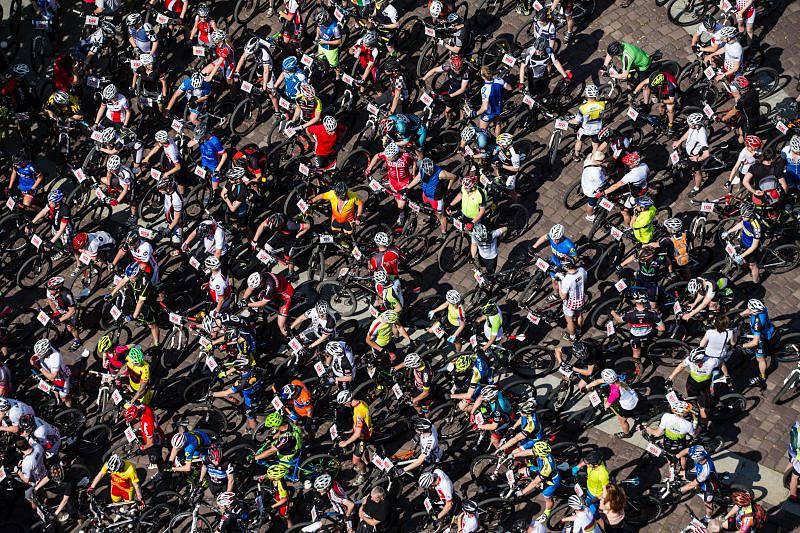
(100, 111)
(403, 332)
(62, 227)
(678, 369)
(177, 94)
(431, 72)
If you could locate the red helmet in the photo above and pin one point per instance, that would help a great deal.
(741, 498)
(632, 159)
(753, 142)
(741, 82)
(80, 240)
(131, 414)
(457, 63)
(470, 181)
(214, 453)
(386, 126)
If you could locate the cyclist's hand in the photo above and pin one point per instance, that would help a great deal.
(141, 504)
(113, 203)
(90, 490)
(598, 195)
(520, 86)
(468, 226)
(724, 235)
(451, 339)
(107, 297)
(738, 259)
(431, 314)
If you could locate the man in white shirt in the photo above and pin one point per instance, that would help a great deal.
(695, 143)
(592, 179)
(573, 296)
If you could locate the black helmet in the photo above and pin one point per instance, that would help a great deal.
(422, 425)
(580, 350)
(26, 422)
(391, 65)
(203, 229)
(614, 48)
(539, 45)
(132, 237)
(709, 21)
(340, 189)
(593, 458)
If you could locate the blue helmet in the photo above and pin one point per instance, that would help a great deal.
(289, 64)
(483, 139)
(401, 125)
(55, 196)
(132, 270)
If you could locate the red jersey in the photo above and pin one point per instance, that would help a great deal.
(399, 170)
(149, 428)
(176, 6)
(326, 142)
(203, 30)
(283, 292)
(63, 77)
(388, 261)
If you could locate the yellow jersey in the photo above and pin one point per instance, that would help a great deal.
(362, 419)
(343, 211)
(122, 481)
(137, 374)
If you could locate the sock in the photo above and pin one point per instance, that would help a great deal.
(548, 512)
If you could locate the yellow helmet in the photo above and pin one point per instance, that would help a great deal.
(541, 448)
(277, 471)
(104, 344)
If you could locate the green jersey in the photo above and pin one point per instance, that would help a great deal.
(634, 58)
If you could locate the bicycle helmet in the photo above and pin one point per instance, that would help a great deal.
(391, 66)
(212, 263)
(728, 32)
(426, 166)
(369, 39)
(104, 344)
(741, 83)
(755, 305)
(657, 79)
(391, 151)
(225, 498)
(753, 142)
(453, 297)
(5, 405)
(340, 189)
(381, 239)
(334, 348)
(697, 355)
(344, 397)
(56, 281)
(289, 391)
(469, 506)
(456, 63)
(631, 159)
(26, 422)
(579, 350)
(132, 270)
(289, 64)
(681, 408)
(55, 196)
(464, 362)
(469, 181)
(453, 18)
(697, 453)
(489, 309)
(217, 36)
(196, 80)
(435, 8)
(426, 480)
(56, 472)
(604, 134)
(694, 120)
(131, 413)
(528, 406)
(114, 463)
(307, 91)
(133, 19)
(107, 28)
(741, 498)
(504, 140)
(323, 482)
(390, 317)
(489, 392)
(214, 453)
(273, 420)
(673, 225)
(644, 201)
(591, 91)
(164, 183)
(575, 502)
(162, 136)
(202, 10)
(609, 376)
(480, 232)
(709, 22)
(321, 308)
(136, 356)
(467, 134)
(109, 91)
(322, 17)
(42, 347)
(108, 135)
(794, 144)
(21, 69)
(413, 360)
(330, 124)
(275, 221)
(639, 297)
(483, 139)
(60, 97)
(422, 425)
(379, 276)
(241, 363)
(556, 233)
(113, 163)
(541, 448)
(746, 210)
(614, 48)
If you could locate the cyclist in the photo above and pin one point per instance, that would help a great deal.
(11, 411)
(62, 106)
(431, 177)
(561, 247)
(298, 404)
(456, 319)
(719, 341)
(327, 136)
(63, 309)
(590, 117)
(698, 384)
(236, 196)
(545, 475)
(571, 290)
(535, 66)
(677, 428)
(124, 480)
(137, 370)
(292, 21)
(308, 107)
(346, 207)
(498, 413)
(187, 447)
(213, 154)
(53, 368)
(122, 176)
(586, 357)
(751, 235)
(597, 477)
(634, 62)
(270, 288)
(203, 26)
(745, 114)
(622, 400)
(473, 201)
(400, 168)
(321, 325)
(389, 294)
(281, 493)
(340, 359)
(173, 157)
(262, 50)
(361, 433)
(141, 251)
(491, 100)
(695, 143)
(234, 513)
(219, 471)
(642, 323)
(457, 84)
(426, 440)
(27, 177)
(662, 86)
(145, 296)
(292, 78)
(197, 89)
(220, 290)
(764, 337)
(731, 51)
(366, 52)
(386, 258)
(31, 469)
(40, 432)
(705, 476)
(745, 516)
(765, 182)
(583, 519)
(636, 180)
(485, 246)
(436, 481)
(643, 220)
(397, 92)
(422, 379)
(382, 334)
(59, 214)
(213, 238)
(225, 59)
(481, 375)
(594, 177)
(151, 437)
(150, 83)
(254, 160)
(483, 143)
(249, 383)
(708, 292)
(115, 109)
(286, 441)
(652, 267)
(284, 234)
(141, 36)
(335, 496)
(329, 38)
(711, 26)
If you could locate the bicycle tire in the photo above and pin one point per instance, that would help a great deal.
(341, 299)
(553, 146)
(151, 205)
(728, 407)
(535, 290)
(792, 381)
(155, 518)
(668, 352)
(409, 33)
(180, 523)
(415, 247)
(245, 116)
(427, 58)
(590, 254)
(94, 439)
(319, 464)
(785, 256)
(453, 253)
(611, 258)
(495, 512)
(515, 218)
(196, 390)
(574, 197)
(766, 81)
(532, 362)
(685, 13)
(448, 420)
(69, 421)
(420, 522)
(642, 510)
(34, 271)
(788, 350)
(209, 417)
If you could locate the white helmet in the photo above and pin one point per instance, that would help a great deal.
(109, 91)
(41, 347)
(794, 144)
(728, 32)
(61, 97)
(575, 502)
(133, 19)
(391, 150)
(435, 8)
(467, 134)
(178, 440)
(225, 498)
(427, 478)
(379, 276)
(381, 239)
(217, 36)
(334, 348)
(254, 280)
(330, 124)
(212, 262)
(196, 80)
(427, 165)
(556, 232)
(755, 305)
(323, 482)
(251, 46)
(609, 375)
(390, 12)
(591, 91)
(413, 360)
(489, 392)
(344, 397)
(108, 134)
(113, 163)
(453, 297)
(695, 119)
(146, 59)
(162, 136)
(208, 323)
(673, 225)
(694, 285)
(114, 463)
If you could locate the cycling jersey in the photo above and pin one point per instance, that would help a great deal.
(454, 79)
(343, 211)
(337, 496)
(443, 486)
(219, 288)
(701, 373)
(302, 404)
(398, 170)
(144, 37)
(706, 475)
(326, 142)
(192, 94)
(320, 325)
(761, 325)
(634, 58)
(423, 378)
(381, 332)
(590, 114)
(650, 269)
(331, 32)
(211, 152)
(148, 426)
(492, 95)
(226, 57)
(641, 323)
(428, 445)
(792, 167)
(430, 183)
(472, 201)
(751, 231)
(309, 108)
(536, 63)
(62, 299)
(387, 260)
(197, 442)
(643, 225)
(204, 30)
(283, 293)
(455, 314)
(122, 481)
(117, 109)
(530, 426)
(250, 385)
(493, 325)
(71, 108)
(597, 478)
(481, 373)
(218, 473)
(137, 374)
(561, 249)
(362, 419)
(16, 410)
(292, 82)
(676, 428)
(734, 53)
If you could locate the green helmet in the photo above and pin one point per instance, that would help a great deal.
(136, 356)
(489, 309)
(464, 362)
(273, 420)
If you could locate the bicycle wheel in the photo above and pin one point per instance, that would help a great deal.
(781, 259)
(642, 510)
(415, 248)
(766, 81)
(574, 197)
(246, 115)
(427, 59)
(316, 465)
(155, 518)
(488, 473)
(40, 53)
(342, 299)
(788, 350)
(19, 330)
(532, 362)
(409, 34)
(788, 389)
(449, 420)
(453, 253)
(208, 418)
(151, 205)
(197, 390)
(611, 258)
(422, 522)
(515, 218)
(495, 513)
(189, 521)
(686, 12)
(34, 271)
(728, 407)
(668, 352)
(590, 254)
(69, 421)
(525, 36)
(94, 439)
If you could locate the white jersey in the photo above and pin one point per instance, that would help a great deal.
(212, 243)
(573, 285)
(96, 241)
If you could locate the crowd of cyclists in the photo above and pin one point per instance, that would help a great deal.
(289, 273)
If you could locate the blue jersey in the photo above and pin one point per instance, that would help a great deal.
(530, 426)
(500, 407)
(203, 90)
(430, 184)
(547, 468)
(250, 385)
(26, 177)
(197, 442)
(211, 151)
(332, 32)
(561, 249)
(792, 172)
(492, 92)
(751, 230)
(705, 474)
(292, 81)
(761, 325)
